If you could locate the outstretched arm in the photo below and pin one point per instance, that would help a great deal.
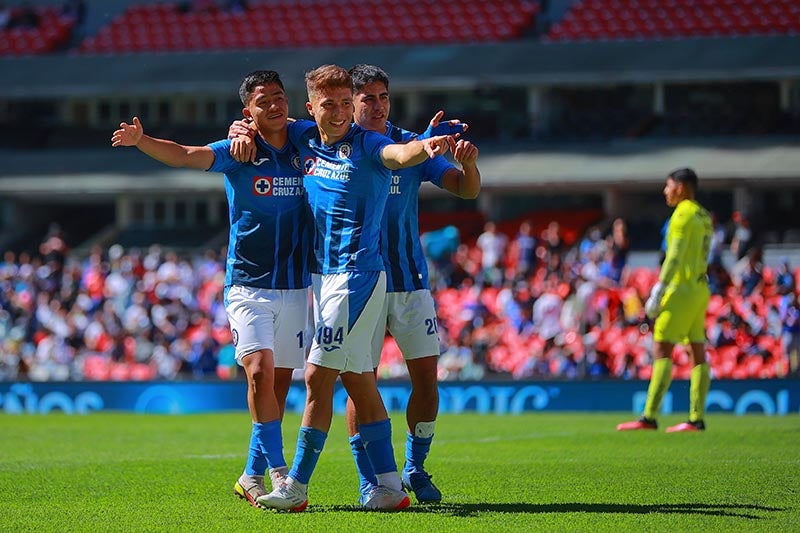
(163, 150)
(465, 183)
(412, 153)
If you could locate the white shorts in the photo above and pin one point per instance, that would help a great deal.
(411, 319)
(266, 319)
(346, 309)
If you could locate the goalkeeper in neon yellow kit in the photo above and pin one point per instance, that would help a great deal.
(678, 303)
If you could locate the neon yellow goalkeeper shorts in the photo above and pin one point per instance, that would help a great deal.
(683, 314)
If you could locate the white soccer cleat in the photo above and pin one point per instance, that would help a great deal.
(249, 488)
(278, 476)
(382, 498)
(289, 496)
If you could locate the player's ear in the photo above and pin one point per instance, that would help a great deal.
(310, 108)
(246, 112)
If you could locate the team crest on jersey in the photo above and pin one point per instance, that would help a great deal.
(235, 337)
(262, 185)
(296, 162)
(344, 150)
(309, 166)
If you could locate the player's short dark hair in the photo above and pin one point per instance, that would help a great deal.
(364, 74)
(685, 175)
(256, 78)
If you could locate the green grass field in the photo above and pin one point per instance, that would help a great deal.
(536, 472)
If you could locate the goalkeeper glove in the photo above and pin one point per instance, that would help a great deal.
(653, 305)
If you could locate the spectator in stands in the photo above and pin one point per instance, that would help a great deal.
(784, 278)
(464, 269)
(591, 243)
(742, 239)
(618, 246)
(75, 10)
(5, 16)
(552, 242)
(752, 276)
(790, 315)
(524, 247)
(439, 246)
(717, 242)
(492, 244)
(718, 279)
(198, 6)
(236, 6)
(722, 333)
(25, 17)
(547, 313)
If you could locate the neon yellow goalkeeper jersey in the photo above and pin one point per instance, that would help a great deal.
(688, 241)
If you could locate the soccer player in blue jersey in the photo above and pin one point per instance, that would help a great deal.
(408, 310)
(267, 275)
(347, 173)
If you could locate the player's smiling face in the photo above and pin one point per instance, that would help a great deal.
(332, 109)
(372, 106)
(269, 108)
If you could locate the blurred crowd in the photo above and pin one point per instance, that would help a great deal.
(115, 314)
(524, 306)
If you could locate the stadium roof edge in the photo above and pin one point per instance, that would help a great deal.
(410, 67)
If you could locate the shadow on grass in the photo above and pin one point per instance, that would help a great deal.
(474, 509)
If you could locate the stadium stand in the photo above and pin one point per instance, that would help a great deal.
(144, 313)
(656, 19)
(575, 125)
(45, 30)
(278, 24)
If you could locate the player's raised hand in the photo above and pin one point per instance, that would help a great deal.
(448, 127)
(438, 145)
(241, 127)
(128, 134)
(465, 152)
(243, 149)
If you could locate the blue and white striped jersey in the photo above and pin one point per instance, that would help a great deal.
(270, 235)
(406, 268)
(347, 186)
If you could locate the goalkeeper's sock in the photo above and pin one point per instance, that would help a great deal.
(366, 474)
(310, 442)
(659, 383)
(256, 460)
(699, 383)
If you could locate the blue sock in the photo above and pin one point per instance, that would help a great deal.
(310, 442)
(256, 460)
(270, 440)
(366, 474)
(377, 438)
(417, 449)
